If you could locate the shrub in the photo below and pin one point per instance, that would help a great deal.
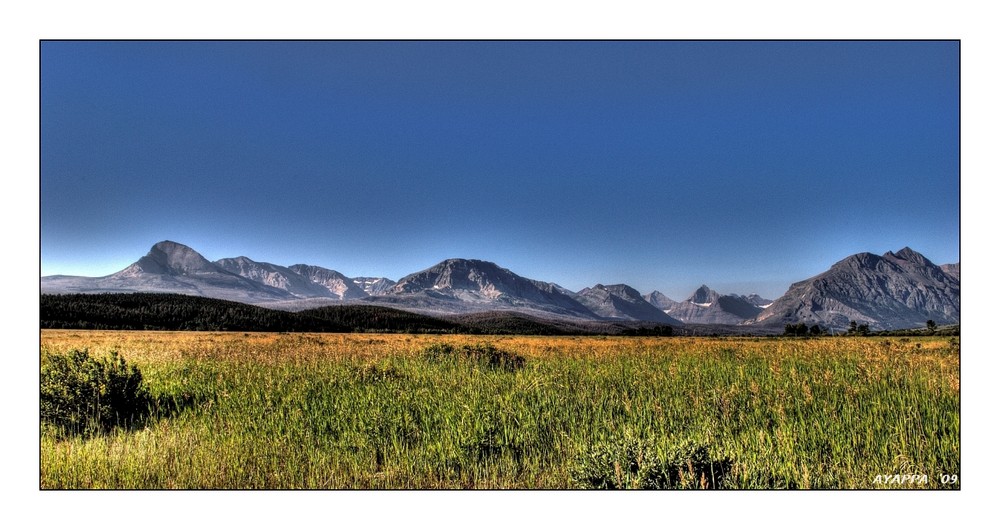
(378, 372)
(483, 354)
(84, 395)
(632, 463)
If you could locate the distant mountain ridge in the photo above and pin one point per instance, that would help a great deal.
(706, 306)
(897, 289)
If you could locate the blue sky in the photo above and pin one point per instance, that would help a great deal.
(744, 165)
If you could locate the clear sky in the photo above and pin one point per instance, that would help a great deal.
(743, 165)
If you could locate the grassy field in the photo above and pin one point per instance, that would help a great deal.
(333, 411)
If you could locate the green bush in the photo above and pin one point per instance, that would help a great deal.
(482, 354)
(632, 463)
(378, 372)
(83, 395)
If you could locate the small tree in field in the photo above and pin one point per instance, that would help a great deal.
(931, 325)
(86, 396)
(797, 330)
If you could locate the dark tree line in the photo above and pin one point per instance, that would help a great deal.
(359, 318)
(170, 312)
(175, 312)
(804, 330)
(858, 329)
(655, 331)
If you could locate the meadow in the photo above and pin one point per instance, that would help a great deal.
(399, 411)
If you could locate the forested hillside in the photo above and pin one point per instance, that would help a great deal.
(147, 311)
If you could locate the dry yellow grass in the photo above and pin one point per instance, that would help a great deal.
(158, 346)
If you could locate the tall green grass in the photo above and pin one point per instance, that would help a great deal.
(314, 412)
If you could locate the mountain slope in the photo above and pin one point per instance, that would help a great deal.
(951, 269)
(275, 276)
(895, 290)
(660, 301)
(332, 283)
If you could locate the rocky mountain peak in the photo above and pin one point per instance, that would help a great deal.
(757, 300)
(463, 274)
(861, 260)
(464, 264)
(619, 289)
(703, 295)
(482, 284)
(659, 300)
(625, 291)
(909, 255)
(168, 257)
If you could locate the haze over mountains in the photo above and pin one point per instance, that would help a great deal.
(896, 290)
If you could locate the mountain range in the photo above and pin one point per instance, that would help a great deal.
(896, 290)
(706, 306)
